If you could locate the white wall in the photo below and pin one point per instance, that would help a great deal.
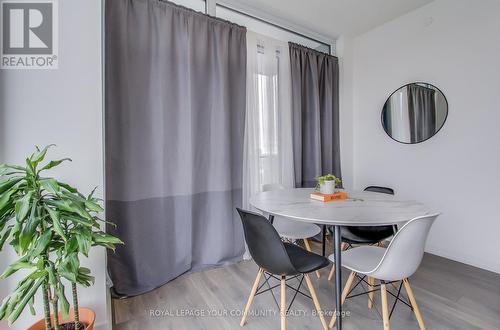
(455, 45)
(345, 55)
(63, 107)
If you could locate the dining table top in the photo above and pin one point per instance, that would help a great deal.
(361, 208)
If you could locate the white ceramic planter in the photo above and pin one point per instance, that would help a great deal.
(328, 187)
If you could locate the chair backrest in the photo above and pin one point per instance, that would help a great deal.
(272, 186)
(406, 250)
(379, 189)
(265, 245)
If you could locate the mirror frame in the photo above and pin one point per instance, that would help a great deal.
(405, 85)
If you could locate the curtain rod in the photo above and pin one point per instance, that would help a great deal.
(309, 49)
(276, 26)
(195, 12)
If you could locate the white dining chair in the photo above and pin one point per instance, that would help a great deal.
(293, 230)
(388, 265)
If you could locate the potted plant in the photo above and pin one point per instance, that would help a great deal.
(49, 224)
(326, 184)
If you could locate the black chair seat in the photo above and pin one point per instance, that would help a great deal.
(304, 261)
(366, 235)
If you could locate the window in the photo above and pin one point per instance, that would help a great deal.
(267, 90)
(268, 112)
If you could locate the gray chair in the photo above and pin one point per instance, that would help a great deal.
(396, 263)
(290, 229)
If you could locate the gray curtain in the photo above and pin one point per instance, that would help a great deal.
(315, 103)
(175, 107)
(422, 112)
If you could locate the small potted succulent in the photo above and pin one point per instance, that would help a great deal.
(49, 225)
(326, 184)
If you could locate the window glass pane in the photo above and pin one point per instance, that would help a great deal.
(268, 121)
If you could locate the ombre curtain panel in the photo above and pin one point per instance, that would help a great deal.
(315, 107)
(174, 123)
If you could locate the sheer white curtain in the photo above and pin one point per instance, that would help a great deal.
(268, 150)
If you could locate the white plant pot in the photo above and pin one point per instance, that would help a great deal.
(328, 187)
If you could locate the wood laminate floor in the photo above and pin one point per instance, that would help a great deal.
(451, 295)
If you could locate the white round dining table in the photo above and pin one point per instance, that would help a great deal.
(361, 208)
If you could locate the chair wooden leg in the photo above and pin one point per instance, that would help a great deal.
(252, 295)
(315, 301)
(283, 303)
(308, 248)
(332, 270)
(413, 301)
(345, 292)
(385, 308)
(371, 295)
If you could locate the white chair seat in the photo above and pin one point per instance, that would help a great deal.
(362, 260)
(292, 230)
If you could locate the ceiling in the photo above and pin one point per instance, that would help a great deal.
(332, 18)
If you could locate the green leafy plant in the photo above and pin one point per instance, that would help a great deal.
(49, 224)
(328, 177)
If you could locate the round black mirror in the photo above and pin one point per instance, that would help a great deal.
(414, 113)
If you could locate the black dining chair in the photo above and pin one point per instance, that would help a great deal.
(278, 260)
(365, 234)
